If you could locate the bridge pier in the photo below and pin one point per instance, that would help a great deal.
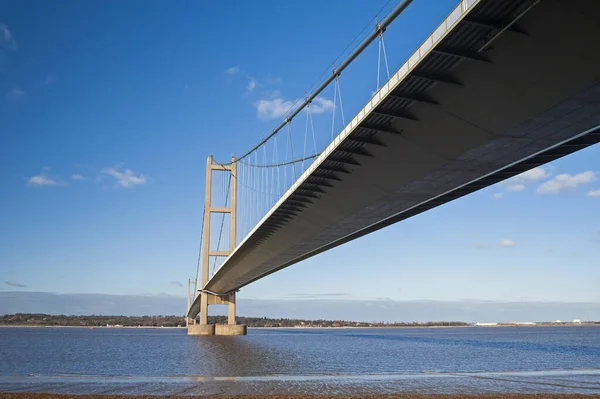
(204, 328)
(201, 329)
(208, 298)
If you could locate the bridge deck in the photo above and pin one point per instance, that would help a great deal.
(453, 119)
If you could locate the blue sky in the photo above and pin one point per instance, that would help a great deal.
(109, 110)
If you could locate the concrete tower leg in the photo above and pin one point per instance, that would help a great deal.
(206, 299)
(231, 310)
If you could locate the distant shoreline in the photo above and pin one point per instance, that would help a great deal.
(87, 327)
(173, 321)
(307, 327)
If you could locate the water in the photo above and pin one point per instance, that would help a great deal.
(386, 360)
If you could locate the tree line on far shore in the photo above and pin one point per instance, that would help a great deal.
(40, 319)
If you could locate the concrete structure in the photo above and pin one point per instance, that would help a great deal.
(205, 298)
(500, 87)
(227, 329)
(201, 329)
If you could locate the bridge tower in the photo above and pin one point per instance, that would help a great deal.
(206, 298)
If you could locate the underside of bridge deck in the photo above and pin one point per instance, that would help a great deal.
(509, 86)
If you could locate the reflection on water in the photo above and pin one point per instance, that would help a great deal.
(167, 361)
(237, 356)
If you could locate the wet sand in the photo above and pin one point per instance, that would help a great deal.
(315, 395)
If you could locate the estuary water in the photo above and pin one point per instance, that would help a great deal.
(342, 361)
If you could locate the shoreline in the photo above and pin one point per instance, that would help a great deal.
(23, 395)
(311, 328)
(87, 327)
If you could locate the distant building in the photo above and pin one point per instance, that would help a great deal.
(478, 324)
(576, 321)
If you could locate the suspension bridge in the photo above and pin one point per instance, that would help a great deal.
(498, 88)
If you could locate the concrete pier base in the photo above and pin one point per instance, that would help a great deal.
(201, 329)
(230, 329)
(219, 329)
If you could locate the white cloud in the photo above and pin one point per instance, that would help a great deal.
(497, 195)
(534, 174)
(41, 180)
(277, 107)
(320, 105)
(15, 93)
(7, 41)
(566, 182)
(519, 182)
(515, 187)
(273, 109)
(233, 70)
(77, 177)
(507, 243)
(125, 178)
(593, 193)
(263, 83)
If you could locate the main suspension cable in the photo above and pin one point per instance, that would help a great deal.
(335, 73)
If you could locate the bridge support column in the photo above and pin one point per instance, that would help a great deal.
(231, 328)
(231, 309)
(206, 298)
(203, 308)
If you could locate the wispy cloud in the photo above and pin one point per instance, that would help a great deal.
(125, 178)
(277, 107)
(497, 195)
(264, 83)
(519, 182)
(566, 182)
(534, 174)
(271, 80)
(515, 187)
(77, 177)
(320, 105)
(15, 93)
(42, 180)
(176, 284)
(274, 108)
(7, 41)
(234, 70)
(507, 243)
(593, 193)
(15, 284)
